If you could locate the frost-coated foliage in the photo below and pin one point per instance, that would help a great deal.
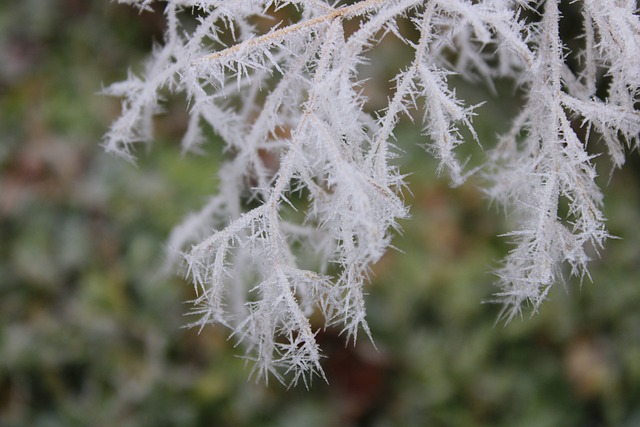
(309, 198)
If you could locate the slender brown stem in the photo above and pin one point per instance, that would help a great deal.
(274, 36)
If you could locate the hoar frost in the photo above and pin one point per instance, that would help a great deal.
(288, 104)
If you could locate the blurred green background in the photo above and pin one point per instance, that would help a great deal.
(91, 331)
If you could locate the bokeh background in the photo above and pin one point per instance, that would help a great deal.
(92, 330)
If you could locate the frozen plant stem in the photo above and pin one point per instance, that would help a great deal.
(316, 161)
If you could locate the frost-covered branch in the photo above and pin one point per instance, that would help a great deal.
(316, 162)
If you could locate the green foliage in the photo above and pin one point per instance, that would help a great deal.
(91, 334)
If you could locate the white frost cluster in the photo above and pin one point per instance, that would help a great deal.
(309, 198)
